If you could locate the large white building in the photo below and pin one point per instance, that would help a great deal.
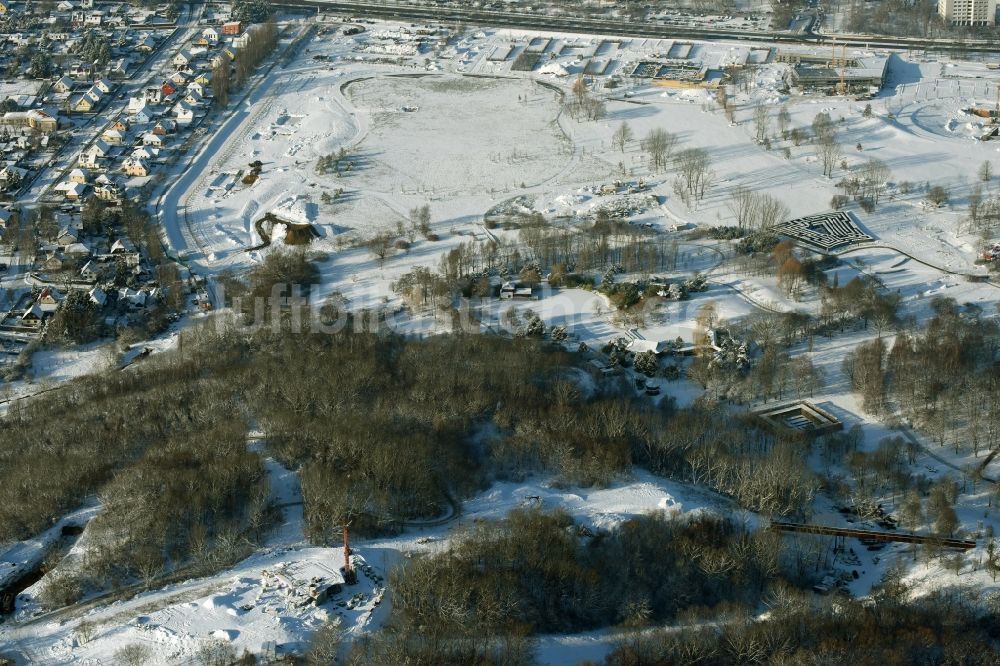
(968, 12)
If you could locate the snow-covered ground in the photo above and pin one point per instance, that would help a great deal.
(265, 598)
(456, 128)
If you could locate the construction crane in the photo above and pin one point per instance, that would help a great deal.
(842, 84)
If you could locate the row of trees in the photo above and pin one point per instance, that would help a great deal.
(229, 76)
(693, 165)
(550, 248)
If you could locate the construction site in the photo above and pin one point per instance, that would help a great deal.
(801, 416)
(993, 115)
(835, 72)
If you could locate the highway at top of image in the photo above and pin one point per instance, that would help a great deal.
(626, 27)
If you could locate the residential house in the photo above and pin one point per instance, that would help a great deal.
(74, 191)
(193, 98)
(242, 41)
(183, 113)
(164, 126)
(89, 273)
(134, 299)
(78, 250)
(182, 58)
(11, 175)
(68, 221)
(49, 299)
(154, 95)
(67, 236)
(81, 104)
(510, 290)
(196, 86)
(155, 140)
(79, 71)
(94, 18)
(168, 88)
(136, 102)
(65, 6)
(232, 28)
(63, 85)
(143, 115)
(103, 85)
(96, 295)
(145, 153)
(135, 167)
(145, 44)
(117, 70)
(42, 121)
(3, 8)
(7, 221)
(32, 316)
(203, 78)
(53, 262)
(112, 137)
(130, 258)
(122, 246)
(109, 191)
(178, 78)
(78, 176)
(120, 124)
(100, 147)
(95, 94)
(211, 35)
(90, 159)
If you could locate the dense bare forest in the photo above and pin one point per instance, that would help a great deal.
(537, 572)
(948, 626)
(344, 409)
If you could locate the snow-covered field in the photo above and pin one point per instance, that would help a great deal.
(462, 132)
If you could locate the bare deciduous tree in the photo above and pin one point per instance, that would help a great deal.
(761, 121)
(743, 204)
(694, 170)
(986, 171)
(829, 152)
(784, 120)
(659, 145)
(874, 175)
(622, 136)
(771, 212)
(380, 245)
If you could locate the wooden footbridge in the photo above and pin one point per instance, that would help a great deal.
(871, 535)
